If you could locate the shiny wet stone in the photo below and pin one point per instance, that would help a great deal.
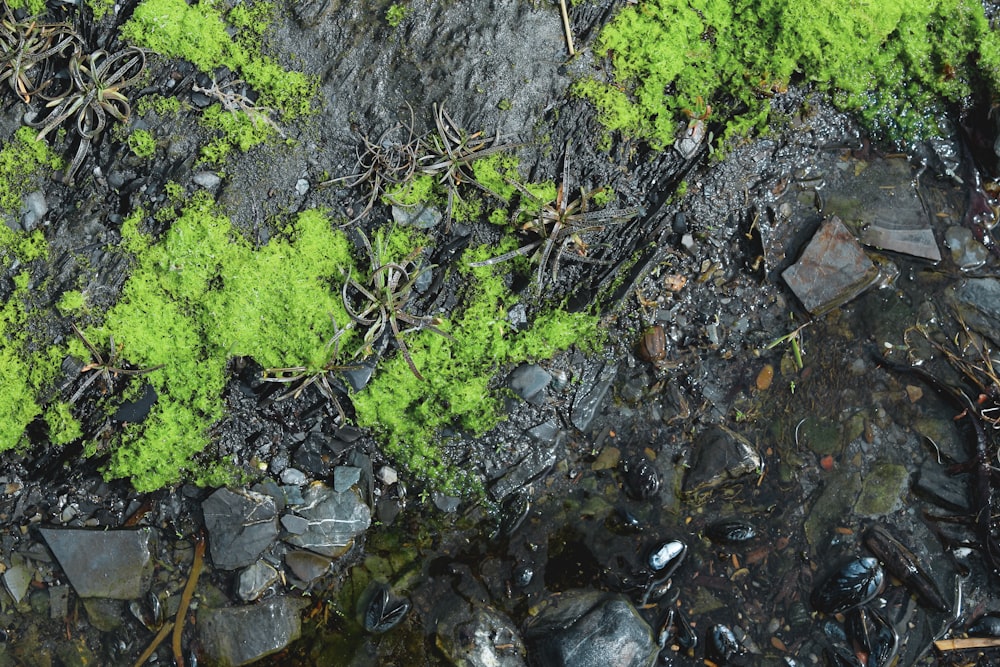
(241, 635)
(112, 564)
(240, 526)
(581, 628)
(333, 520)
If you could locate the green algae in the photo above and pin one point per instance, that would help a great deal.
(893, 62)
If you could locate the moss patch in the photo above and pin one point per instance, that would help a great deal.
(22, 159)
(892, 61)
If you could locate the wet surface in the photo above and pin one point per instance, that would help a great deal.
(720, 414)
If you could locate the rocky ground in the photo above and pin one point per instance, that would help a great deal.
(692, 485)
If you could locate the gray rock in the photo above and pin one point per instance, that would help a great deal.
(306, 565)
(240, 526)
(33, 210)
(344, 477)
(335, 519)
(587, 404)
(254, 580)
(580, 628)
(16, 580)
(301, 187)
(474, 635)
(114, 564)
(966, 251)
(240, 635)
(529, 381)
(423, 217)
(295, 525)
(942, 488)
(720, 457)
(832, 270)
(293, 476)
(207, 179)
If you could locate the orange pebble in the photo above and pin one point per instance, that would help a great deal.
(826, 463)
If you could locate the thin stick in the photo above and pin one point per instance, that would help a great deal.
(157, 640)
(964, 643)
(199, 555)
(566, 28)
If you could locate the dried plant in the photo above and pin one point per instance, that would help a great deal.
(448, 152)
(561, 226)
(26, 52)
(233, 97)
(94, 93)
(379, 300)
(387, 162)
(323, 378)
(106, 368)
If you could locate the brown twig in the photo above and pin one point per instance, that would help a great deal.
(199, 557)
(155, 644)
(566, 27)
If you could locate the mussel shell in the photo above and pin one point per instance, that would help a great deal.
(686, 637)
(870, 630)
(987, 625)
(382, 612)
(721, 644)
(641, 479)
(904, 565)
(853, 584)
(730, 531)
(841, 656)
(664, 557)
(513, 510)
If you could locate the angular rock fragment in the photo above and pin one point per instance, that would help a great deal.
(832, 270)
(113, 564)
(334, 520)
(241, 635)
(240, 526)
(720, 457)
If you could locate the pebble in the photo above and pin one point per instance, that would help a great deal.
(293, 476)
(207, 179)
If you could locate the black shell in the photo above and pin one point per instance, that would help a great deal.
(641, 479)
(730, 531)
(721, 645)
(382, 612)
(903, 564)
(870, 630)
(853, 584)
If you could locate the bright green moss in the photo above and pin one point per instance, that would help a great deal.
(142, 143)
(63, 426)
(238, 130)
(198, 33)
(100, 8)
(201, 296)
(410, 414)
(889, 60)
(22, 159)
(71, 302)
(159, 104)
(396, 13)
(33, 7)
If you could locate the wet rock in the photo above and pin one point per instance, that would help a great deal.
(832, 504)
(344, 477)
(254, 580)
(587, 405)
(832, 270)
(581, 628)
(966, 251)
(33, 210)
(882, 490)
(240, 526)
(720, 457)
(335, 519)
(293, 476)
(104, 614)
(529, 381)
(114, 564)
(240, 635)
(945, 490)
(421, 217)
(532, 466)
(474, 635)
(16, 580)
(979, 301)
(307, 565)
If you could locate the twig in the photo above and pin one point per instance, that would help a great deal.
(155, 644)
(199, 556)
(963, 643)
(566, 27)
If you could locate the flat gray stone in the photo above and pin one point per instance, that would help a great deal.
(240, 526)
(256, 579)
(334, 520)
(112, 564)
(832, 270)
(241, 635)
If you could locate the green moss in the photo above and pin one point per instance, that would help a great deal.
(159, 104)
(396, 13)
(892, 61)
(142, 143)
(238, 130)
(100, 8)
(63, 426)
(251, 18)
(410, 414)
(71, 302)
(416, 191)
(22, 159)
(33, 7)
(198, 33)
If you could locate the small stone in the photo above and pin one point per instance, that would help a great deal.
(529, 381)
(306, 565)
(301, 187)
(883, 490)
(607, 459)
(344, 477)
(914, 393)
(387, 475)
(335, 519)
(16, 580)
(240, 526)
(421, 217)
(207, 179)
(241, 635)
(966, 251)
(33, 210)
(256, 579)
(293, 477)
